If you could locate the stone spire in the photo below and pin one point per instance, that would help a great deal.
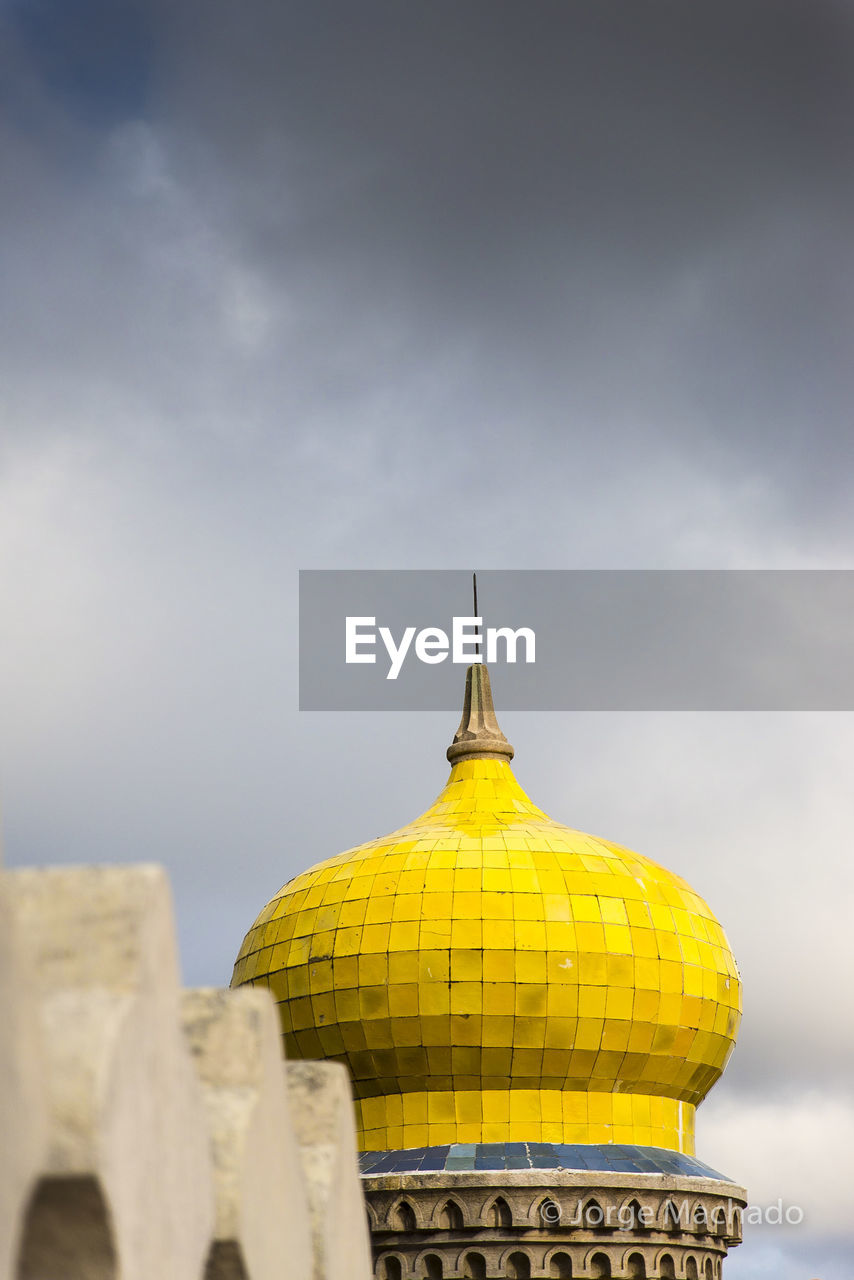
(479, 735)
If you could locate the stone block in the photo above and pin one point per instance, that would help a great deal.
(123, 1184)
(23, 1118)
(322, 1110)
(262, 1227)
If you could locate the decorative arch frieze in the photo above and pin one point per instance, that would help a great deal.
(635, 1266)
(402, 1215)
(448, 1215)
(592, 1215)
(498, 1213)
(557, 1264)
(391, 1266)
(516, 1264)
(546, 1213)
(429, 1266)
(472, 1265)
(599, 1265)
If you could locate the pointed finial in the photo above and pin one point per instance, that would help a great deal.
(479, 735)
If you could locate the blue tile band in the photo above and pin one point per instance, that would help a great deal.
(495, 1156)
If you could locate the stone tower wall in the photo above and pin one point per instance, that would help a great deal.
(533, 1225)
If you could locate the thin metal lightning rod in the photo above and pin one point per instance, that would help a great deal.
(474, 592)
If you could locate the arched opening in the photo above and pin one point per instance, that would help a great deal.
(474, 1267)
(519, 1267)
(736, 1225)
(560, 1266)
(549, 1213)
(636, 1267)
(67, 1233)
(432, 1267)
(225, 1261)
(388, 1268)
(499, 1214)
(600, 1266)
(633, 1217)
(666, 1267)
(700, 1219)
(709, 1270)
(691, 1269)
(718, 1221)
(402, 1217)
(592, 1217)
(451, 1217)
(672, 1220)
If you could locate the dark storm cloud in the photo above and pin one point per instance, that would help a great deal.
(94, 55)
(619, 233)
(622, 213)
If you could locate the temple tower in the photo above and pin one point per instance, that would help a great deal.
(530, 1017)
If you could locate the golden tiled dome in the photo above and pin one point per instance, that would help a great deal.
(490, 975)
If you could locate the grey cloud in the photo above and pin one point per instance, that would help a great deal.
(783, 1255)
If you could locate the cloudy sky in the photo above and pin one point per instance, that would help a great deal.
(448, 285)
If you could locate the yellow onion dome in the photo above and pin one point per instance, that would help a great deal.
(490, 975)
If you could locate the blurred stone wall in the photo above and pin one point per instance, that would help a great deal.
(147, 1131)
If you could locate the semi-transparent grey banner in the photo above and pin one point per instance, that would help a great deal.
(579, 640)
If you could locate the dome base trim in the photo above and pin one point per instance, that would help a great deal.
(436, 1118)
